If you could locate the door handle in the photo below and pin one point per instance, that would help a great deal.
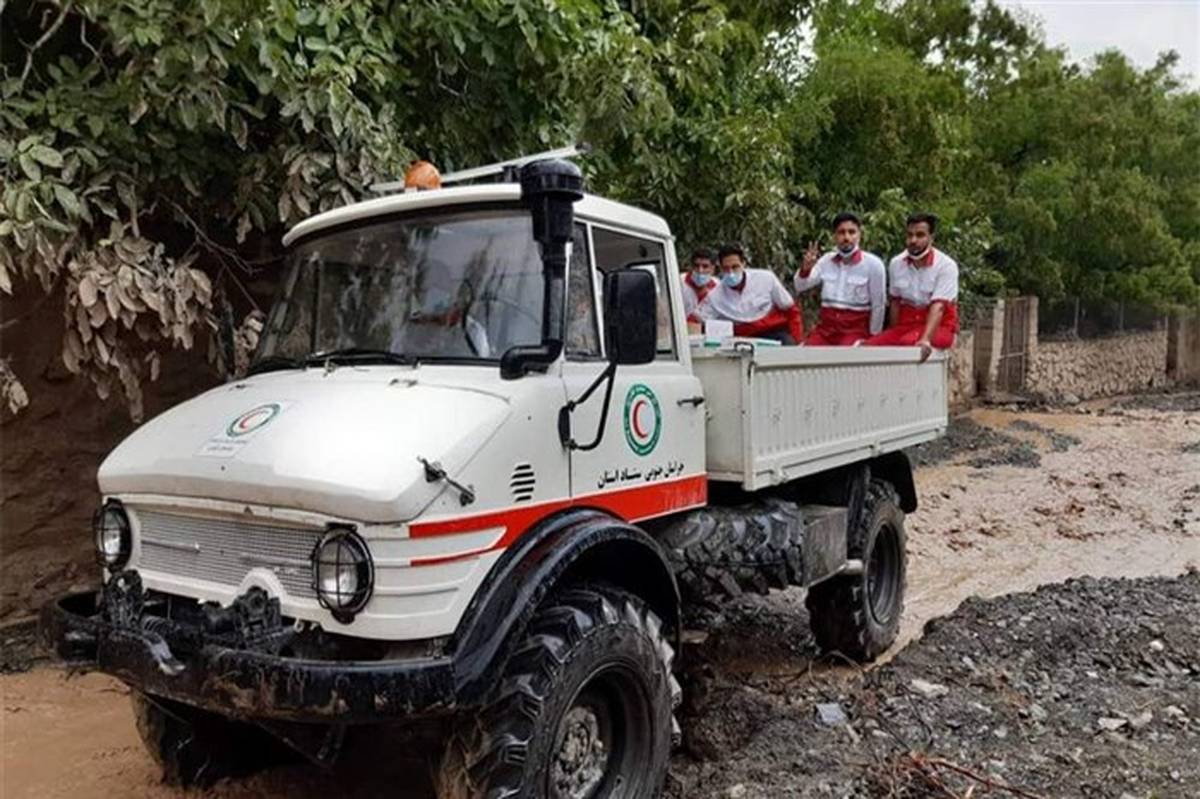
(695, 402)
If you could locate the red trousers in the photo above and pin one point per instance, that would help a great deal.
(911, 326)
(838, 327)
(776, 324)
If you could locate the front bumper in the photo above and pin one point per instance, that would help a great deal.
(245, 683)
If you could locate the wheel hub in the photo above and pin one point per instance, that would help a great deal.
(882, 581)
(582, 757)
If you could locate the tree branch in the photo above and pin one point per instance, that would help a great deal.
(45, 37)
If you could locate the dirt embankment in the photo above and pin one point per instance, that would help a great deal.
(1046, 692)
(49, 454)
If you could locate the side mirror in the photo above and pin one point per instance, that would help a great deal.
(630, 316)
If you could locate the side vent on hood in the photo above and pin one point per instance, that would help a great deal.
(522, 482)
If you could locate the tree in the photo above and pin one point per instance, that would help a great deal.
(153, 151)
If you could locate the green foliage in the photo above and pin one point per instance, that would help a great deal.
(153, 151)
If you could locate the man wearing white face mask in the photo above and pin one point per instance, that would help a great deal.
(697, 283)
(853, 287)
(754, 300)
(924, 293)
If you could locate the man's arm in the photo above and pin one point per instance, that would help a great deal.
(945, 289)
(781, 298)
(937, 309)
(804, 282)
(809, 274)
(894, 312)
(877, 286)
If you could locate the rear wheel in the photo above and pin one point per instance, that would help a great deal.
(195, 747)
(859, 615)
(583, 710)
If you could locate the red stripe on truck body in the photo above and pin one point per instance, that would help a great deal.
(629, 504)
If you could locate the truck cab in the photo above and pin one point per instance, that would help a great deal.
(474, 459)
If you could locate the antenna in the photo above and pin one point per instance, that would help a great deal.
(490, 170)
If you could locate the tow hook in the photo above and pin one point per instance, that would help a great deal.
(161, 652)
(124, 604)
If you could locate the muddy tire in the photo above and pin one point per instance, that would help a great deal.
(584, 708)
(721, 553)
(197, 748)
(859, 615)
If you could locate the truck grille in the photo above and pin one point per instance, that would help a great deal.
(223, 550)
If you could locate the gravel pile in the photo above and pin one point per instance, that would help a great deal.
(963, 436)
(1089, 688)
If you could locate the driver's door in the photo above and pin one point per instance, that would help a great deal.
(650, 457)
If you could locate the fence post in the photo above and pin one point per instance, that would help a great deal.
(1075, 327)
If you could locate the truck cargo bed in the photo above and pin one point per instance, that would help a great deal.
(779, 413)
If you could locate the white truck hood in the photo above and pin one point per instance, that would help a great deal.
(344, 443)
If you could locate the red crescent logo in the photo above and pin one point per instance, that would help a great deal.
(637, 418)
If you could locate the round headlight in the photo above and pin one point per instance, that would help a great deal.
(343, 574)
(113, 539)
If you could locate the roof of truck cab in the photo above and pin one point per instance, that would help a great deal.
(591, 208)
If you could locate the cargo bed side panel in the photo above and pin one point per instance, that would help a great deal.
(779, 413)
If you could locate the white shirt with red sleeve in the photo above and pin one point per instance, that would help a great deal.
(759, 294)
(919, 283)
(857, 282)
(692, 301)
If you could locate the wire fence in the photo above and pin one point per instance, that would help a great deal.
(1076, 318)
(972, 307)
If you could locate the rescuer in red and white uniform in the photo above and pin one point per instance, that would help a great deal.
(853, 287)
(697, 283)
(755, 300)
(923, 286)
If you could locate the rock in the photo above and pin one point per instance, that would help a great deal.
(929, 690)
(1110, 724)
(830, 714)
(1174, 711)
(1141, 720)
(1157, 645)
(1070, 399)
(736, 792)
(1037, 712)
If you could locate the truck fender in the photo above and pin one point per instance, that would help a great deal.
(896, 468)
(577, 545)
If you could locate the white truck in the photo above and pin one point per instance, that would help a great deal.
(473, 474)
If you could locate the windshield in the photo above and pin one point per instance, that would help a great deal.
(458, 285)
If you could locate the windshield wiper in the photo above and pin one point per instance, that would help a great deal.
(273, 363)
(361, 354)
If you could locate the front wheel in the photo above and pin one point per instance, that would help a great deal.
(583, 709)
(859, 615)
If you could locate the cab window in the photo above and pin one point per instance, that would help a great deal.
(583, 337)
(622, 251)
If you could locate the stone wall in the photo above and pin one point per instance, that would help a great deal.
(1068, 370)
(961, 370)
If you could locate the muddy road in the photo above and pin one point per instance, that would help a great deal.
(1011, 501)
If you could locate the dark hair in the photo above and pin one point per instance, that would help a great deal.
(731, 248)
(845, 216)
(702, 253)
(917, 218)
